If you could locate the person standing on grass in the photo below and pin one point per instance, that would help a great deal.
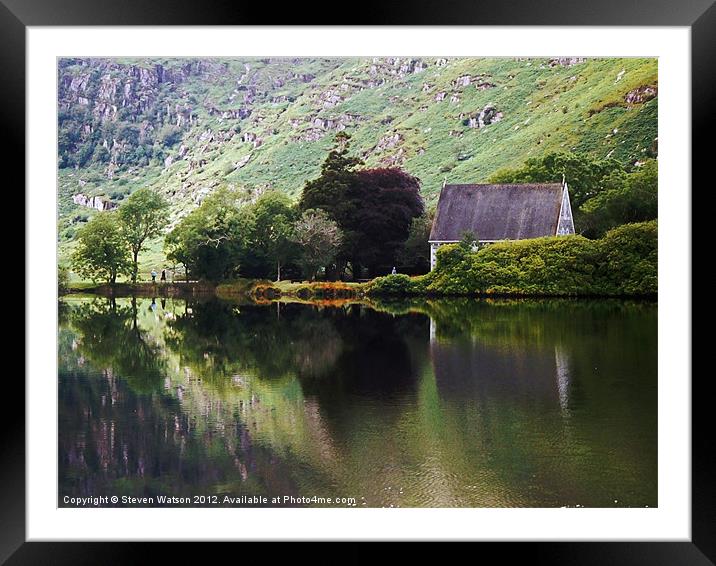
(163, 278)
(154, 276)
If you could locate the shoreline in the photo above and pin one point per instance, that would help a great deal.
(262, 291)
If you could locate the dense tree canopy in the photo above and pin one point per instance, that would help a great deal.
(414, 257)
(584, 175)
(622, 263)
(624, 198)
(210, 241)
(274, 214)
(602, 192)
(373, 207)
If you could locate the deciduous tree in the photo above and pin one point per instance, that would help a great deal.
(102, 252)
(211, 240)
(319, 239)
(142, 215)
(274, 215)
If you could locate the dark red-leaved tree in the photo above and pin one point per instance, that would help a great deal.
(383, 203)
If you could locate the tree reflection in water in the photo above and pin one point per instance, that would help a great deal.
(417, 403)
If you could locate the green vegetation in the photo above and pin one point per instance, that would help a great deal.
(186, 127)
(319, 238)
(374, 208)
(414, 257)
(210, 241)
(346, 217)
(602, 192)
(274, 216)
(218, 168)
(584, 175)
(622, 263)
(623, 198)
(108, 246)
(101, 251)
(141, 217)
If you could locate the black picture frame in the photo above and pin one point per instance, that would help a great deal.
(17, 15)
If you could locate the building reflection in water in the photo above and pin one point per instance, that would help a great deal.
(486, 370)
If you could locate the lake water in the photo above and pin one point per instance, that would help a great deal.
(435, 403)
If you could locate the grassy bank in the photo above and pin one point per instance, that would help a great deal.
(175, 289)
(264, 290)
(257, 290)
(622, 264)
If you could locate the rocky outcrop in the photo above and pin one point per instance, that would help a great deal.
(640, 95)
(98, 203)
(566, 61)
(252, 138)
(229, 113)
(320, 127)
(388, 142)
(242, 162)
(397, 66)
(488, 115)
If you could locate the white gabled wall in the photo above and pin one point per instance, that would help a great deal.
(565, 225)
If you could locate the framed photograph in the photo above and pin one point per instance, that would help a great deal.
(427, 280)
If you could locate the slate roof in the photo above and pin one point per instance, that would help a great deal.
(497, 212)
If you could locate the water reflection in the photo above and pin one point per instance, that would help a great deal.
(423, 403)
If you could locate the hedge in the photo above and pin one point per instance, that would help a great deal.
(623, 263)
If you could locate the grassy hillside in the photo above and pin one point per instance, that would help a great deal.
(185, 127)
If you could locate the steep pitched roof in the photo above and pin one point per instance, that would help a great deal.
(497, 212)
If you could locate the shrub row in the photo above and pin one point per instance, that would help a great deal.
(622, 263)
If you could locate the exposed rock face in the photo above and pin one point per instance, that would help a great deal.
(230, 114)
(640, 95)
(388, 142)
(488, 115)
(107, 86)
(128, 104)
(241, 162)
(304, 77)
(566, 61)
(482, 84)
(252, 138)
(320, 127)
(93, 202)
(194, 122)
(329, 98)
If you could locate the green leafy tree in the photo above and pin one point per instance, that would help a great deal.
(584, 174)
(630, 259)
(469, 241)
(414, 257)
(274, 215)
(213, 239)
(329, 191)
(625, 198)
(319, 239)
(63, 277)
(101, 252)
(142, 216)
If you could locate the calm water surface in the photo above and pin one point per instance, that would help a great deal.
(426, 403)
